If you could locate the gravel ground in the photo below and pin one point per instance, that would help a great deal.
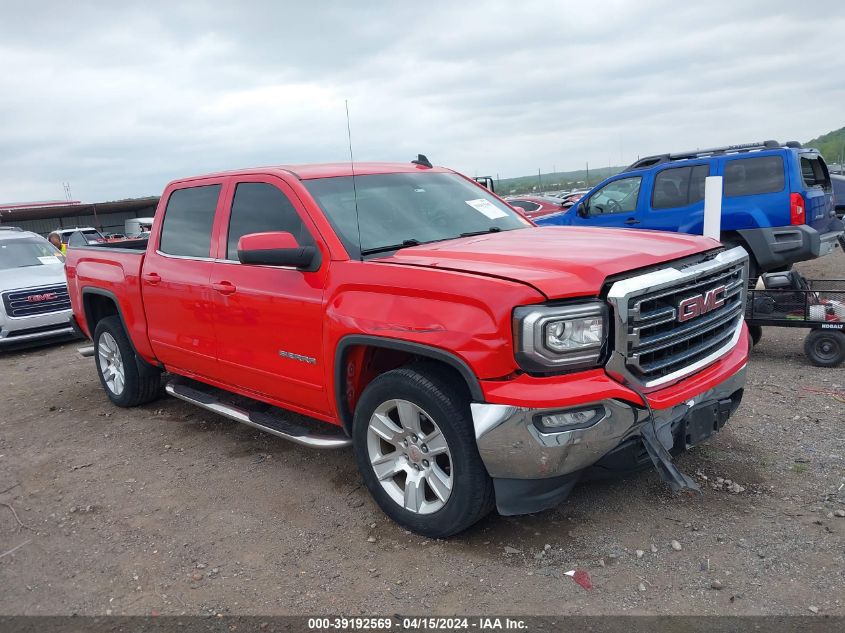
(168, 509)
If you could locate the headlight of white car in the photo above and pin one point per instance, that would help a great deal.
(563, 337)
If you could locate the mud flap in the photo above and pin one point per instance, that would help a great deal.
(662, 461)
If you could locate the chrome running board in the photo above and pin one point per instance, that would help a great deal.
(268, 422)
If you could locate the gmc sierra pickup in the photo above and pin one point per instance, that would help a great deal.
(470, 359)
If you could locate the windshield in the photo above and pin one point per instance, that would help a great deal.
(28, 252)
(396, 210)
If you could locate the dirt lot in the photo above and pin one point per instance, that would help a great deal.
(169, 509)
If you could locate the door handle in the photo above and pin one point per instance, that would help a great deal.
(224, 287)
(631, 221)
(151, 278)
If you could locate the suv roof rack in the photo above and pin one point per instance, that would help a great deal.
(650, 161)
(10, 228)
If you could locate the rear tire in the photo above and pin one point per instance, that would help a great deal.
(413, 425)
(825, 348)
(127, 380)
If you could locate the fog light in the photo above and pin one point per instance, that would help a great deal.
(569, 420)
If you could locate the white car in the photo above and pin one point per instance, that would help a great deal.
(34, 302)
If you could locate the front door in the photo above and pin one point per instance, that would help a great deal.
(175, 281)
(269, 319)
(615, 205)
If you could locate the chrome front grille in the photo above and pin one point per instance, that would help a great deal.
(35, 301)
(673, 322)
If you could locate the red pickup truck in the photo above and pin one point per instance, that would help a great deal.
(470, 359)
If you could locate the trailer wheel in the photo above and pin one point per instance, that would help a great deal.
(825, 348)
(756, 333)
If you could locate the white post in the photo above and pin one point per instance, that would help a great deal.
(713, 207)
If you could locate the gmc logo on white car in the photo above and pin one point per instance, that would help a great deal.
(692, 307)
(47, 296)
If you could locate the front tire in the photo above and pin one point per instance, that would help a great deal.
(126, 380)
(415, 448)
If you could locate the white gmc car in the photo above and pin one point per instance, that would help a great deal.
(34, 303)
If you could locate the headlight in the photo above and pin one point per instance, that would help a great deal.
(560, 337)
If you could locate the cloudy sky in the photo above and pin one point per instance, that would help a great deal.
(119, 98)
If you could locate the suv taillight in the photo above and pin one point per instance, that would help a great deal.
(797, 209)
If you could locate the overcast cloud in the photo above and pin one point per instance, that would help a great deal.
(119, 99)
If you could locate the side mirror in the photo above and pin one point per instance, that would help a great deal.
(583, 209)
(486, 181)
(277, 249)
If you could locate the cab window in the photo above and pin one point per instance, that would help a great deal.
(619, 196)
(188, 218)
(260, 207)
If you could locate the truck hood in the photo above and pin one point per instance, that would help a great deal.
(558, 261)
(31, 277)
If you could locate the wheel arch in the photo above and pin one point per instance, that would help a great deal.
(354, 353)
(98, 304)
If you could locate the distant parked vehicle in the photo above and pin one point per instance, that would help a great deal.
(777, 201)
(134, 227)
(537, 206)
(34, 303)
(838, 183)
(91, 235)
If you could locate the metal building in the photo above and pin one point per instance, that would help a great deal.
(44, 217)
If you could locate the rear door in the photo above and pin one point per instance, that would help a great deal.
(175, 279)
(269, 319)
(676, 202)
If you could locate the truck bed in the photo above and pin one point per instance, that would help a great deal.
(112, 270)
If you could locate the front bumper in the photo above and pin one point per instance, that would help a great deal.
(535, 470)
(35, 328)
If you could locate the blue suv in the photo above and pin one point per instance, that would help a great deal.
(777, 200)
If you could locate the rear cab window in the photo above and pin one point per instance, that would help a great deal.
(188, 220)
(752, 176)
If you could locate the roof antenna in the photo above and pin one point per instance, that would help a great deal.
(422, 161)
(354, 188)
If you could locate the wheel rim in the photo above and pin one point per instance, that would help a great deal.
(111, 364)
(410, 457)
(825, 349)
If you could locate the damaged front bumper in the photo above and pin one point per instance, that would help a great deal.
(535, 466)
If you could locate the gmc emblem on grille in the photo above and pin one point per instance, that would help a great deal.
(692, 307)
(47, 296)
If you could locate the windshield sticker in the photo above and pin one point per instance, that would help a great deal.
(50, 259)
(487, 208)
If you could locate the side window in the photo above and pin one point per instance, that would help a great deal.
(679, 186)
(670, 188)
(186, 230)
(259, 208)
(619, 196)
(696, 183)
(749, 176)
(814, 173)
